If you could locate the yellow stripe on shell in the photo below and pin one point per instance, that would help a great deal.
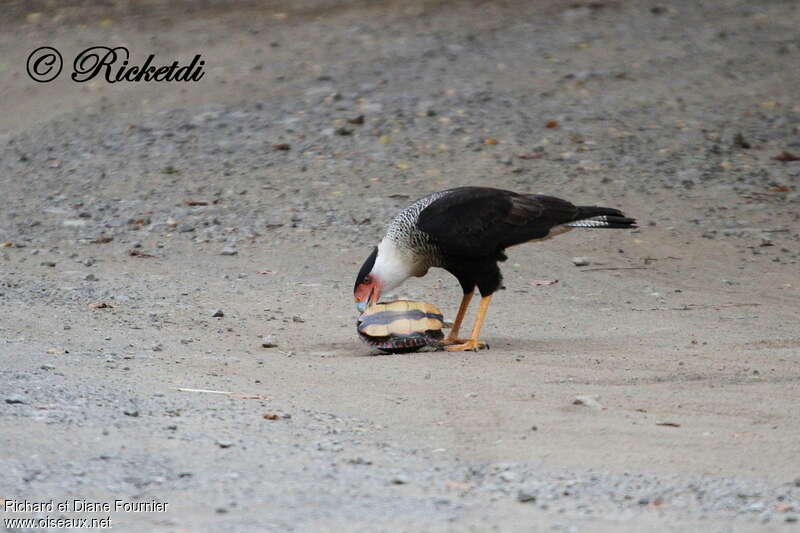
(403, 326)
(376, 330)
(403, 305)
(433, 323)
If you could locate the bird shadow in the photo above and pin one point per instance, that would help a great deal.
(497, 344)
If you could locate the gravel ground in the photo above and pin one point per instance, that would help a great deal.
(176, 265)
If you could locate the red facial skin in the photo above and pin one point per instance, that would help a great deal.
(368, 293)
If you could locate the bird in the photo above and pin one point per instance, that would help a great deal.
(465, 231)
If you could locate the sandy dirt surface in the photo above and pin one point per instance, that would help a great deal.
(654, 389)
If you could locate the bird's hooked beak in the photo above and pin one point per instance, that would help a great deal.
(367, 294)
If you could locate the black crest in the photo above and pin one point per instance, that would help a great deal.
(366, 268)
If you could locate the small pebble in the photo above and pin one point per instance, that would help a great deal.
(15, 399)
(229, 250)
(588, 400)
(508, 476)
(269, 341)
(580, 261)
(218, 314)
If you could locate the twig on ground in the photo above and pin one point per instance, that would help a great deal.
(698, 307)
(240, 395)
(614, 268)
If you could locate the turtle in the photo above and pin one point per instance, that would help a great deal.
(401, 326)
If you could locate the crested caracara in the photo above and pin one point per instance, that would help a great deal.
(466, 231)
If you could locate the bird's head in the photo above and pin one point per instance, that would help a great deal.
(386, 268)
(368, 284)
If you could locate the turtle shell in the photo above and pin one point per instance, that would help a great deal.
(401, 326)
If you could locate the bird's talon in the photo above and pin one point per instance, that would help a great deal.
(469, 346)
(449, 341)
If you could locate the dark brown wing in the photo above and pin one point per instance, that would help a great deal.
(481, 221)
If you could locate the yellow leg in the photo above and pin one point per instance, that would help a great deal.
(473, 343)
(452, 338)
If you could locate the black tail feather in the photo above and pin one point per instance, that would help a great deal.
(601, 217)
(589, 211)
